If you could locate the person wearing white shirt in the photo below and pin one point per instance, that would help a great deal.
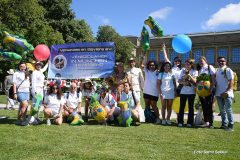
(150, 91)
(135, 77)
(107, 101)
(72, 108)
(53, 104)
(21, 89)
(207, 102)
(188, 92)
(224, 93)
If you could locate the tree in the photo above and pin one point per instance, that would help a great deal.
(61, 18)
(124, 47)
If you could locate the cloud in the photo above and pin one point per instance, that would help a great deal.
(230, 14)
(161, 13)
(103, 20)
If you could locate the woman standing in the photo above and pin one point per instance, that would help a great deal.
(150, 91)
(188, 92)
(21, 89)
(207, 102)
(166, 85)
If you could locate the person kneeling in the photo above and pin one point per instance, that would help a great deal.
(53, 104)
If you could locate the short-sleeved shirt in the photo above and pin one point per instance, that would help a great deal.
(189, 89)
(167, 81)
(53, 103)
(88, 92)
(210, 71)
(108, 100)
(176, 71)
(150, 83)
(129, 96)
(18, 78)
(223, 75)
(72, 99)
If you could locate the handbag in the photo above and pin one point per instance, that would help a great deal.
(10, 91)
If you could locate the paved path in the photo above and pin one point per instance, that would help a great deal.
(173, 116)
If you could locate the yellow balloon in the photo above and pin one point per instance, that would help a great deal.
(30, 66)
(176, 105)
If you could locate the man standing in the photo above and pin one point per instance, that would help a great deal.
(8, 82)
(135, 77)
(224, 93)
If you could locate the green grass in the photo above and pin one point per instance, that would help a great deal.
(147, 141)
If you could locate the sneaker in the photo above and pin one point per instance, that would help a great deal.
(180, 125)
(189, 125)
(211, 126)
(164, 122)
(229, 129)
(18, 122)
(169, 122)
(48, 122)
(25, 123)
(158, 121)
(223, 127)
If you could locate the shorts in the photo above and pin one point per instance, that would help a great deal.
(150, 97)
(22, 96)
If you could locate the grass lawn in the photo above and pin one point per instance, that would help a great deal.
(147, 141)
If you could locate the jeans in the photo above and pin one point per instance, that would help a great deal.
(225, 107)
(183, 100)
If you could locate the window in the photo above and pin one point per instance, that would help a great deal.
(197, 53)
(210, 55)
(235, 54)
(173, 54)
(152, 56)
(161, 56)
(223, 52)
(185, 56)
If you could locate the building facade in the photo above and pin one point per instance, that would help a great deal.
(211, 45)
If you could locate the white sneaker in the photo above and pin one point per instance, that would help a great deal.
(169, 122)
(48, 122)
(189, 125)
(158, 121)
(163, 122)
(180, 125)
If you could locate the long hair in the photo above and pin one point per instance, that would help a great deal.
(163, 65)
(59, 92)
(191, 62)
(149, 62)
(178, 59)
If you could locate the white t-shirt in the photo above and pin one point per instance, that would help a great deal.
(72, 99)
(222, 81)
(176, 71)
(37, 81)
(189, 89)
(136, 78)
(18, 77)
(108, 100)
(129, 96)
(204, 69)
(53, 103)
(150, 84)
(167, 81)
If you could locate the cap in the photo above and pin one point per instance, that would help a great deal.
(132, 59)
(87, 80)
(11, 71)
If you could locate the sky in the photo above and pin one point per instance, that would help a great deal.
(174, 16)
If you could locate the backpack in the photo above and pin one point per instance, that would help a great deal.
(149, 115)
(235, 78)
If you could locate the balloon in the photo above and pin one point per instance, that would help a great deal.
(203, 88)
(145, 39)
(10, 55)
(41, 52)
(124, 118)
(176, 105)
(17, 44)
(30, 66)
(156, 30)
(182, 44)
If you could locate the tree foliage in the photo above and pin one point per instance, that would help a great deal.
(124, 47)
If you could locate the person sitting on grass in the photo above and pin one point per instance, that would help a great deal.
(53, 105)
(107, 101)
(134, 103)
(72, 108)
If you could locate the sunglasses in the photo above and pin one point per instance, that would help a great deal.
(221, 61)
(177, 61)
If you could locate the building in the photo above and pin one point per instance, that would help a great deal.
(211, 45)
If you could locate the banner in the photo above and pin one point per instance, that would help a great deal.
(82, 60)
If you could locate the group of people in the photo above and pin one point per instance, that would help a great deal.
(166, 82)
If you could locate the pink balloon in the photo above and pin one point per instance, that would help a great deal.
(41, 52)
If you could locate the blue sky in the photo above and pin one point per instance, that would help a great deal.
(174, 16)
